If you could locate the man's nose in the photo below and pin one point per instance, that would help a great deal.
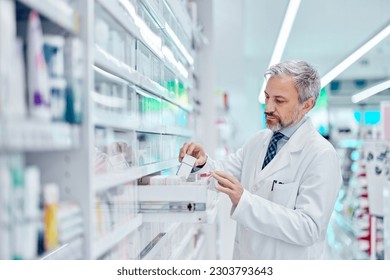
(269, 107)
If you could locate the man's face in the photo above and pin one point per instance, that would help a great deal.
(282, 108)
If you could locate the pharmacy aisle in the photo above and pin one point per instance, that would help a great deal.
(98, 96)
(88, 159)
(359, 225)
(41, 134)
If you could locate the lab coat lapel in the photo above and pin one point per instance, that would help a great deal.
(281, 160)
(259, 154)
(263, 149)
(283, 157)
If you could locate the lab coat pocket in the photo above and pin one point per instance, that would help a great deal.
(262, 189)
(285, 194)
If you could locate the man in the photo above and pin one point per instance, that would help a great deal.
(283, 183)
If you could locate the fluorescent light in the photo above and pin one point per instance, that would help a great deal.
(284, 32)
(179, 44)
(370, 91)
(355, 56)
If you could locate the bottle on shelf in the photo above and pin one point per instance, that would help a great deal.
(38, 80)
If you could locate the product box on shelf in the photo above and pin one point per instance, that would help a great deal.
(149, 109)
(109, 35)
(173, 115)
(114, 208)
(114, 150)
(110, 96)
(145, 61)
(149, 148)
(377, 153)
(168, 147)
(130, 50)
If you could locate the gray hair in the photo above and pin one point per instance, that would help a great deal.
(307, 80)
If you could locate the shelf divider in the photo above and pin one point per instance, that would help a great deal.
(56, 11)
(104, 182)
(107, 242)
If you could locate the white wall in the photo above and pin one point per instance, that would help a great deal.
(232, 73)
(222, 65)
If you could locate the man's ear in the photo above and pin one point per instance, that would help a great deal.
(308, 104)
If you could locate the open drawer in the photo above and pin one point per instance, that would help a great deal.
(177, 203)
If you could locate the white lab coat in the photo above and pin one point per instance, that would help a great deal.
(290, 221)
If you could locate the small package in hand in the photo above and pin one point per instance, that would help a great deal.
(186, 166)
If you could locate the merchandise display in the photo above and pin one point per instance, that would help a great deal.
(35, 223)
(126, 106)
(358, 219)
(98, 97)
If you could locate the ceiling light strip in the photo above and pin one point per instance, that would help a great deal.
(356, 98)
(325, 80)
(284, 33)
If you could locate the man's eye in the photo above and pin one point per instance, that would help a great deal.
(279, 101)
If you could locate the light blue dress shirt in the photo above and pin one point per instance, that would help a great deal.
(288, 132)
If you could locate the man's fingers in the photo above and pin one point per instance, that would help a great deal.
(224, 190)
(194, 147)
(227, 176)
(184, 150)
(189, 148)
(234, 191)
(222, 181)
(200, 161)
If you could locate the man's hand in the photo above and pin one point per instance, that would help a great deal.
(193, 149)
(228, 185)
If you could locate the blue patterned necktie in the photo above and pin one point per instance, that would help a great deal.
(271, 152)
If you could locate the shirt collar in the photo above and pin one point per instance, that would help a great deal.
(289, 131)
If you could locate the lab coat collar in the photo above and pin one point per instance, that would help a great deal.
(299, 138)
(283, 157)
(289, 131)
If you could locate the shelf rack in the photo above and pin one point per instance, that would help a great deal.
(102, 245)
(58, 12)
(65, 151)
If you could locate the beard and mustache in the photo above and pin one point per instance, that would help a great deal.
(280, 123)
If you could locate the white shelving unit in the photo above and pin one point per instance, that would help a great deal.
(102, 245)
(58, 12)
(199, 249)
(53, 147)
(181, 246)
(193, 195)
(207, 216)
(104, 182)
(137, 95)
(161, 242)
(33, 135)
(127, 16)
(112, 65)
